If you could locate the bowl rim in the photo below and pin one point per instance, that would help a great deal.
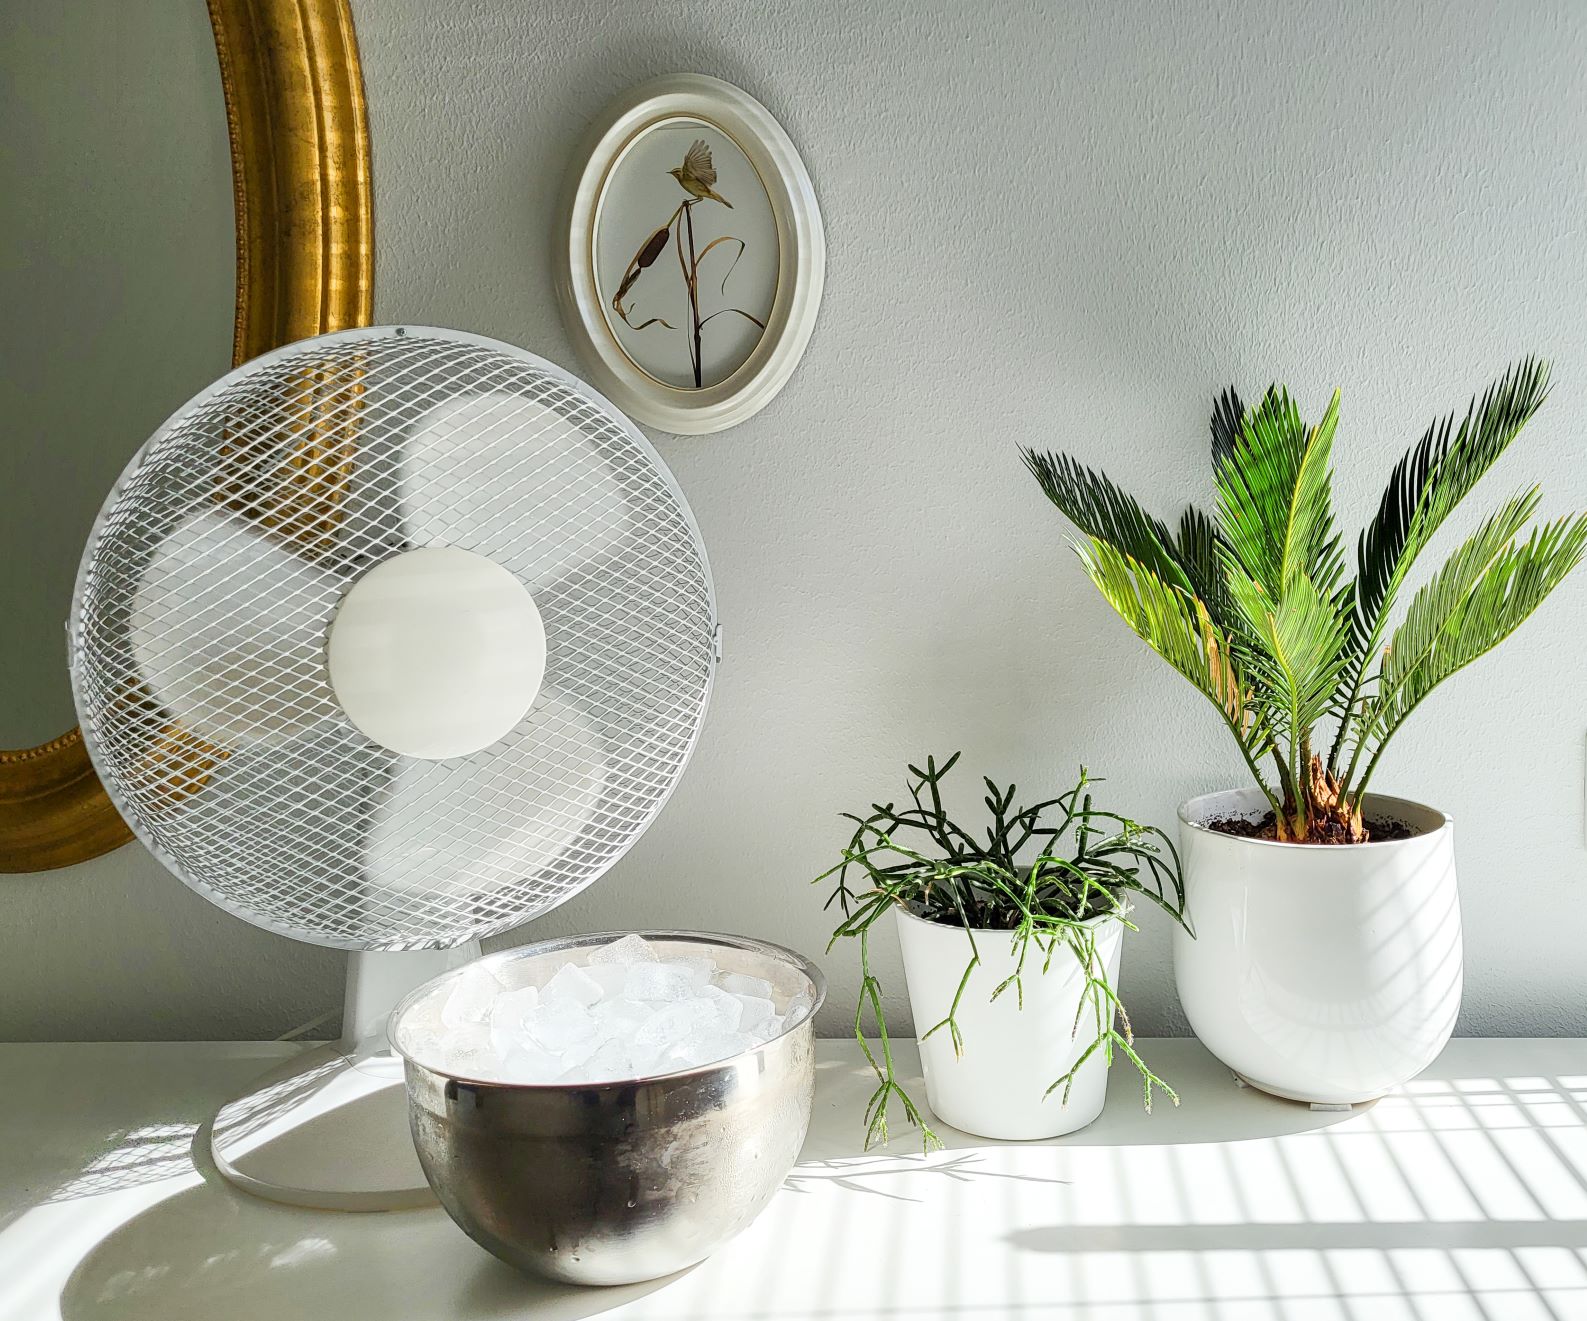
(782, 953)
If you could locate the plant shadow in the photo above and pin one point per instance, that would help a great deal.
(1213, 1107)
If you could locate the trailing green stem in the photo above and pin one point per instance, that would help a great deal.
(1055, 900)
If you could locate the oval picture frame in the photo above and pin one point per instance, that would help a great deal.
(800, 267)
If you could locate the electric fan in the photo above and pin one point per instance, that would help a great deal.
(389, 640)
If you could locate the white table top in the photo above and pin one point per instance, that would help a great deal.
(1463, 1195)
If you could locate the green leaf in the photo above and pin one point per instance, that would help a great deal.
(1180, 630)
(1201, 555)
(1311, 544)
(1105, 512)
(1228, 416)
(1274, 500)
(1440, 599)
(1298, 656)
(1430, 480)
(1433, 477)
(1481, 595)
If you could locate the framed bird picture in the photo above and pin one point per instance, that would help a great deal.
(695, 256)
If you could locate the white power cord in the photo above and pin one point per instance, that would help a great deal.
(292, 1034)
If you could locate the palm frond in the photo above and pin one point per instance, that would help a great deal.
(1181, 631)
(1381, 559)
(1484, 593)
(1274, 502)
(1200, 555)
(1228, 413)
(1298, 659)
(1103, 510)
(1443, 596)
(1433, 477)
(1311, 546)
(1483, 436)
(1428, 482)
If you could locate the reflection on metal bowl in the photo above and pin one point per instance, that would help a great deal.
(616, 1182)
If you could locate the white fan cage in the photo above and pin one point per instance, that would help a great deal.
(340, 452)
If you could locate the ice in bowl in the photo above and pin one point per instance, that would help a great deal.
(626, 1012)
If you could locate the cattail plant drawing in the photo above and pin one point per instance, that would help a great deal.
(697, 177)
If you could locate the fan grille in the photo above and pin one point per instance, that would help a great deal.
(216, 565)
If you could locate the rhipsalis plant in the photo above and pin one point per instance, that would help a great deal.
(1043, 874)
(1253, 604)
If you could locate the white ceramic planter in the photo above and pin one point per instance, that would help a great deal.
(1011, 1055)
(1322, 973)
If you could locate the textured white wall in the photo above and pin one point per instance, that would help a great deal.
(1060, 225)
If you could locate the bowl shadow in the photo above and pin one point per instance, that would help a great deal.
(211, 1250)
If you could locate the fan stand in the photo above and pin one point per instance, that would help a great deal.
(329, 1128)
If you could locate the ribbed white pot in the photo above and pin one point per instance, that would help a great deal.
(1322, 973)
(996, 1088)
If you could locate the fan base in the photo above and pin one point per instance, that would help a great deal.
(324, 1130)
(329, 1128)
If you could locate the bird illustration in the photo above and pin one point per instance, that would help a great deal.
(697, 174)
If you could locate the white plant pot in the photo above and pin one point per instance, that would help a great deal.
(1321, 973)
(997, 1088)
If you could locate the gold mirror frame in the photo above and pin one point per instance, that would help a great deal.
(299, 132)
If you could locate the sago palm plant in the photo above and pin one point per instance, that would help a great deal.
(1254, 606)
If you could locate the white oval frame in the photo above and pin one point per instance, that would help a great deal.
(801, 256)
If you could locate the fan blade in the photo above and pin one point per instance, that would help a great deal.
(458, 833)
(282, 819)
(227, 628)
(471, 466)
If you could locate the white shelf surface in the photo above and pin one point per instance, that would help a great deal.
(1462, 1195)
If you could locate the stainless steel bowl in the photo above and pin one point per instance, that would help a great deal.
(616, 1182)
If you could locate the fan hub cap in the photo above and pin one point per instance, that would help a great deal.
(436, 653)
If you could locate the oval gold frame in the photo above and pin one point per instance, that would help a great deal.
(300, 156)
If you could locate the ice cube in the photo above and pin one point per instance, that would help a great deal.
(648, 1060)
(755, 1015)
(619, 1017)
(527, 1062)
(707, 1046)
(420, 1032)
(574, 1055)
(701, 970)
(742, 984)
(560, 1024)
(609, 1063)
(511, 1006)
(658, 981)
(480, 1066)
(471, 998)
(423, 1042)
(467, 1037)
(609, 977)
(573, 984)
(798, 1009)
(628, 949)
(729, 1008)
(672, 1022)
(507, 1018)
(465, 1050)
